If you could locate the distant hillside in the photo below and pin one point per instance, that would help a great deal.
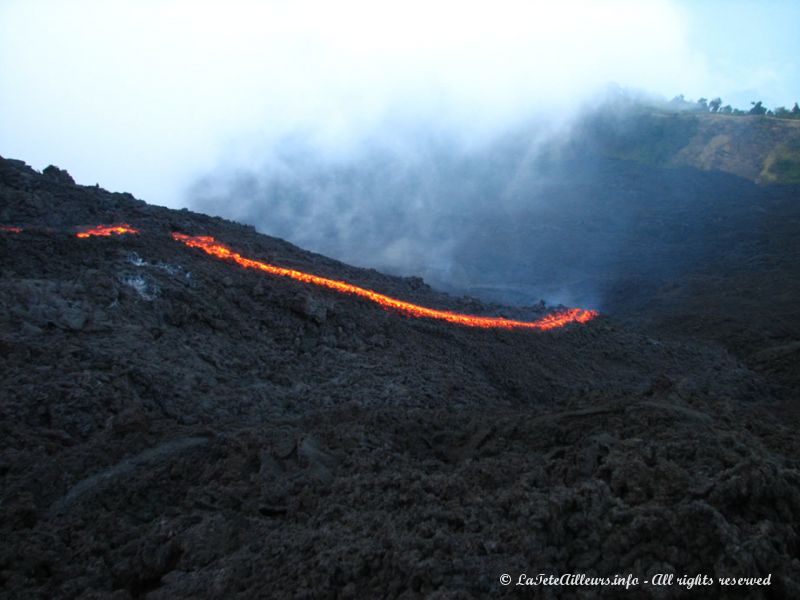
(762, 149)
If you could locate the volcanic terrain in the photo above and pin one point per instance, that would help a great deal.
(173, 425)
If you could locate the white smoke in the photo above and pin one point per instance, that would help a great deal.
(143, 96)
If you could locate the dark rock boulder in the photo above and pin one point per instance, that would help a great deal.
(60, 175)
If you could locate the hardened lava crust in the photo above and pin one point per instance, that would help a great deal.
(176, 426)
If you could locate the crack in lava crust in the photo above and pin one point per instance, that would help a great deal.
(107, 230)
(553, 321)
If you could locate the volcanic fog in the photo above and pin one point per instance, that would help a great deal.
(569, 213)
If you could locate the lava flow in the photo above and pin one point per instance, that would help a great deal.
(10, 229)
(209, 245)
(107, 230)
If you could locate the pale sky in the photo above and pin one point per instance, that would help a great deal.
(146, 96)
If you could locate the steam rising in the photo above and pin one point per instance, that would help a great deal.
(393, 135)
(144, 96)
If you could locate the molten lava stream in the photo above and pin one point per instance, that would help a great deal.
(107, 230)
(10, 229)
(210, 246)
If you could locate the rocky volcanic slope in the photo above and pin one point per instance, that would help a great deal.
(172, 426)
(762, 149)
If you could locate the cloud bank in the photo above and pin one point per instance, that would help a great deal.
(144, 96)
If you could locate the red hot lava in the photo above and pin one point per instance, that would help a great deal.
(107, 230)
(10, 229)
(210, 246)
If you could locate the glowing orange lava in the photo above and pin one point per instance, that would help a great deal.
(209, 245)
(10, 229)
(107, 230)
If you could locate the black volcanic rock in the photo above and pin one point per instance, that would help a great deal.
(56, 174)
(172, 426)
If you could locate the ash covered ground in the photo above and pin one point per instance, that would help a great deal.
(172, 426)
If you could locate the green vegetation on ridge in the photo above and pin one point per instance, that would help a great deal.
(759, 146)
